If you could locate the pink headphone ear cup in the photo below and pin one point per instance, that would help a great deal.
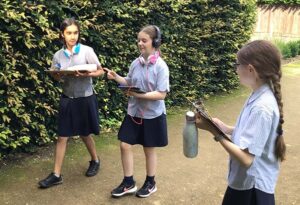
(153, 59)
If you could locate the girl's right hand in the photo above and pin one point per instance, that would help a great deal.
(112, 75)
(56, 76)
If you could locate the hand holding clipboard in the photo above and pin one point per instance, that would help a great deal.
(205, 122)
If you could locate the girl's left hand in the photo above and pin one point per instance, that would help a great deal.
(96, 73)
(134, 94)
(130, 93)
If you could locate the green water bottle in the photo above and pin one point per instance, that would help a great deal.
(190, 136)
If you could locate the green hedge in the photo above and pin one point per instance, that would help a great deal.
(288, 49)
(200, 39)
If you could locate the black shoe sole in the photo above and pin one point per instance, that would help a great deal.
(146, 195)
(45, 187)
(130, 192)
(91, 175)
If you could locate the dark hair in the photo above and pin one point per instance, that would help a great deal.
(266, 59)
(154, 33)
(68, 22)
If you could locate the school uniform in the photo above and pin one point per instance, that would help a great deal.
(78, 107)
(255, 130)
(145, 122)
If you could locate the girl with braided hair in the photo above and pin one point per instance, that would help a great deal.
(257, 146)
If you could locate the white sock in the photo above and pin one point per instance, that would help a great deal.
(57, 175)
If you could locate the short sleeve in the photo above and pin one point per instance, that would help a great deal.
(91, 57)
(256, 132)
(128, 77)
(163, 84)
(55, 62)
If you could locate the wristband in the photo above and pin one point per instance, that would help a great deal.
(218, 138)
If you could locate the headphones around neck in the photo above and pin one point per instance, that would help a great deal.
(151, 59)
(157, 41)
(75, 50)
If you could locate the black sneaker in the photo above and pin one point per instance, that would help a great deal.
(93, 168)
(147, 189)
(123, 189)
(50, 181)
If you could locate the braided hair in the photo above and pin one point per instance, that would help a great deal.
(266, 59)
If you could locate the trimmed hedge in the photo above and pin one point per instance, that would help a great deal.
(200, 41)
(288, 49)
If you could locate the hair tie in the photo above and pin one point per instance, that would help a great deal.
(279, 131)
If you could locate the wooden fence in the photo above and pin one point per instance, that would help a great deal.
(277, 23)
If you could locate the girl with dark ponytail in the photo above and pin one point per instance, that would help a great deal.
(257, 146)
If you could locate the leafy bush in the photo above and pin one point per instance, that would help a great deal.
(288, 49)
(294, 46)
(200, 40)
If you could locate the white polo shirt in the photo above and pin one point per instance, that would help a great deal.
(148, 77)
(256, 130)
(75, 87)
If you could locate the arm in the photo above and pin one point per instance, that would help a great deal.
(56, 65)
(154, 95)
(243, 156)
(112, 75)
(91, 58)
(227, 129)
(253, 136)
(96, 73)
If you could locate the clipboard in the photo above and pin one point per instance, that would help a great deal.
(83, 68)
(206, 122)
(65, 72)
(131, 88)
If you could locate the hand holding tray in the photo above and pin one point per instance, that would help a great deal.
(64, 72)
(72, 70)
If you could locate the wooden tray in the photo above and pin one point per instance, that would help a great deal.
(61, 71)
(66, 72)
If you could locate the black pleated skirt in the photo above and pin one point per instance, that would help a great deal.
(78, 116)
(146, 132)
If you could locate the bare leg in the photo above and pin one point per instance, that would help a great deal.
(127, 158)
(90, 145)
(60, 151)
(151, 160)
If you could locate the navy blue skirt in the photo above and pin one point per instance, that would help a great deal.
(146, 132)
(78, 116)
(247, 197)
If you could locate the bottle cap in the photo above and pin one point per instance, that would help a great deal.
(190, 116)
